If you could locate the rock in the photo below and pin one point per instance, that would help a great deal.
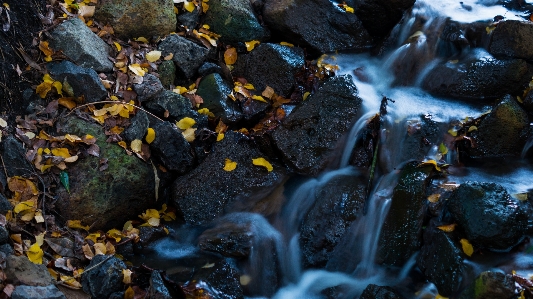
(316, 24)
(308, 136)
(214, 91)
(190, 19)
(167, 73)
(137, 128)
(489, 284)
(110, 197)
(401, 234)
(20, 270)
(441, 262)
(130, 19)
(488, 215)
(528, 101)
(478, 76)
(6, 249)
(82, 81)
(208, 191)
(223, 278)
(5, 205)
(149, 88)
(503, 132)
(373, 291)
(157, 289)
(14, 157)
(187, 55)
(209, 68)
(177, 106)
(337, 205)
(380, 16)
(271, 65)
(171, 148)
(105, 279)
(4, 235)
(228, 239)
(149, 234)
(512, 38)
(36, 292)
(81, 45)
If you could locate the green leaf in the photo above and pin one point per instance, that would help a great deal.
(63, 178)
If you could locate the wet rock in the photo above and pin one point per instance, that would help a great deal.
(479, 76)
(36, 292)
(308, 136)
(373, 291)
(149, 88)
(208, 191)
(214, 91)
(187, 55)
(5, 205)
(4, 235)
(82, 81)
(190, 19)
(271, 65)
(131, 19)
(137, 128)
(235, 21)
(81, 45)
(157, 289)
(14, 157)
(223, 278)
(380, 16)
(167, 73)
(105, 279)
(20, 270)
(503, 132)
(171, 148)
(228, 239)
(119, 192)
(441, 261)
(317, 24)
(337, 205)
(177, 106)
(512, 38)
(6, 249)
(489, 284)
(209, 68)
(149, 234)
(528, 101)
(488, 215)
(401, 234)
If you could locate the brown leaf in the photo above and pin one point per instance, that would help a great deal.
(62, 246)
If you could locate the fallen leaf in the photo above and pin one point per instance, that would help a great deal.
(153, 56)
(126, 273)
(150, 213)
(3, 123)
(71, 281)
(268, 92)
(251, 45)
(77, 224)
(259, 98)
(447, 228)
(129, 293)
(136, 145)
(189, 134)
(262, 162)
(99, 248)
(434, 198)
(220, 136)
(185, 123)
(189, 6)
(136, 69)
(230, 56)
(229, 165)
(286, 44)
(150, 135)
(93, 237)
(35, 254)
(115, 234)
(467, 247)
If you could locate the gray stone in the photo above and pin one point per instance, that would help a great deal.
(82, 81)
(20, 270)
(188, 56)
(190, 19)
(81, 45)
(214, 91)
(171, 148)
(105, 279)
(167, 73)
(512, 38)
(209, 68)
(137, 128)
(5, 205)
(157, 289)
(131, 19)
(177, 106)
(6, 249)
(36, 292)
(14, 158)
(149, 88)
(4, 235)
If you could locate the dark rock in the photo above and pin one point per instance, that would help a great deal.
(116, 295)
(228, 239)
(488, 215)
(188, 56)
(317, 24)
(81, 45)
(171, 148)
(214, 91)
(149, 88)
(167, 73)
(157, 289)
(110, 197)
(380, 16)
(131, 19)
(83, 81)
(308, 136)
(373, 291)
(477, 77)
(137, 128)
(503, 132)
(401, 234)
(149, 234)
(36, 292)
(528, 101)
(337, 205)
(5, 205)
(190, 19)
(244, 185)
(7, 249)
(235, 21)
(4, 235)
(512, 38)
(177, 106)
(14, 157)
(20, 270)
(271, 65)
(223, 278)
(441, 262)
(209, 68)
(105, 279)
(493, 285)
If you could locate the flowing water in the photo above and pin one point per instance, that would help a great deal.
(375, 78)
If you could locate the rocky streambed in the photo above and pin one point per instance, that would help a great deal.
(266, 149)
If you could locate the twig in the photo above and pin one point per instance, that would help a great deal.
(113, 102)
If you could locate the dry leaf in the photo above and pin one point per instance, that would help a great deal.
(468, 249)
(185, 123)
(153, 56)
(229, 165)
(150, 135)
(262, 162)
(447, 228)
(230, 56)
(35, 254)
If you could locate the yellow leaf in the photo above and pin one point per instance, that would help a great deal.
(205, 7)
(61, 152)
(169, 216)
(118, 46)
(150, 213)
(71, 281)
(126, 273)
(39, 218)
(348, 9)
(39, 239)
(430, 162)
(43, 46)
(443, 149)
(467, 247)
(251, 45)
(43, 89)
(185, 123)
(434, 198)
(71, 159)
(153, 221)
(153, 56)
(72, 138)
(259, 98)
(150, 135)
(115, 234)
(220, 136)
(189, 134)
(58, 86)
(129, 293)
(249, 86)
(206, 111)
(262, 162)
(93, 237)
(229, 165)
(141, 39)
(35, 254)
(136, 145)
(77, 224)
(472, 128)
(447, 228)
(180, 90)
(189, 6)
(452, 132)
(440, 297)
(230, 56)
(136, 69)
(99, 248)
(24, 206)
(123, 144)
(286, 44)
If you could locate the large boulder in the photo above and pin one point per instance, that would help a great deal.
(137, 18)
(187, 55)
(208, 191)
(307, 138)
(512, 38)
(489, 216)
(81, 45)
(78, 81)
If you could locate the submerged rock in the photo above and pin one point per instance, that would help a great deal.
(373, 291)
(214, 90)
(187, 55)
(78, 81)
(489, 284)
(488, 215)
(512, 38)
(105, 279)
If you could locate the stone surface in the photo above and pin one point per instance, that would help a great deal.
(489, 284)
(14, 157)
(373, 291)
(228, 239)
(138, 127)
(36, 292)
(214, 91)
(110, 197)
(187, 55)
(4, 234)
(105, 279)
(81, 45)
(271, 65)
(167, 73)
(244, 185)
(223, 278)
(308, 136)
(83, 81)
(380, 16)
(157, 289)
(177, 106)
(20, 270)
(131, 19)
(5, 205)
(149, 88)
(190, 19)
(512, 38)
(488, 215)
(171, 148)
